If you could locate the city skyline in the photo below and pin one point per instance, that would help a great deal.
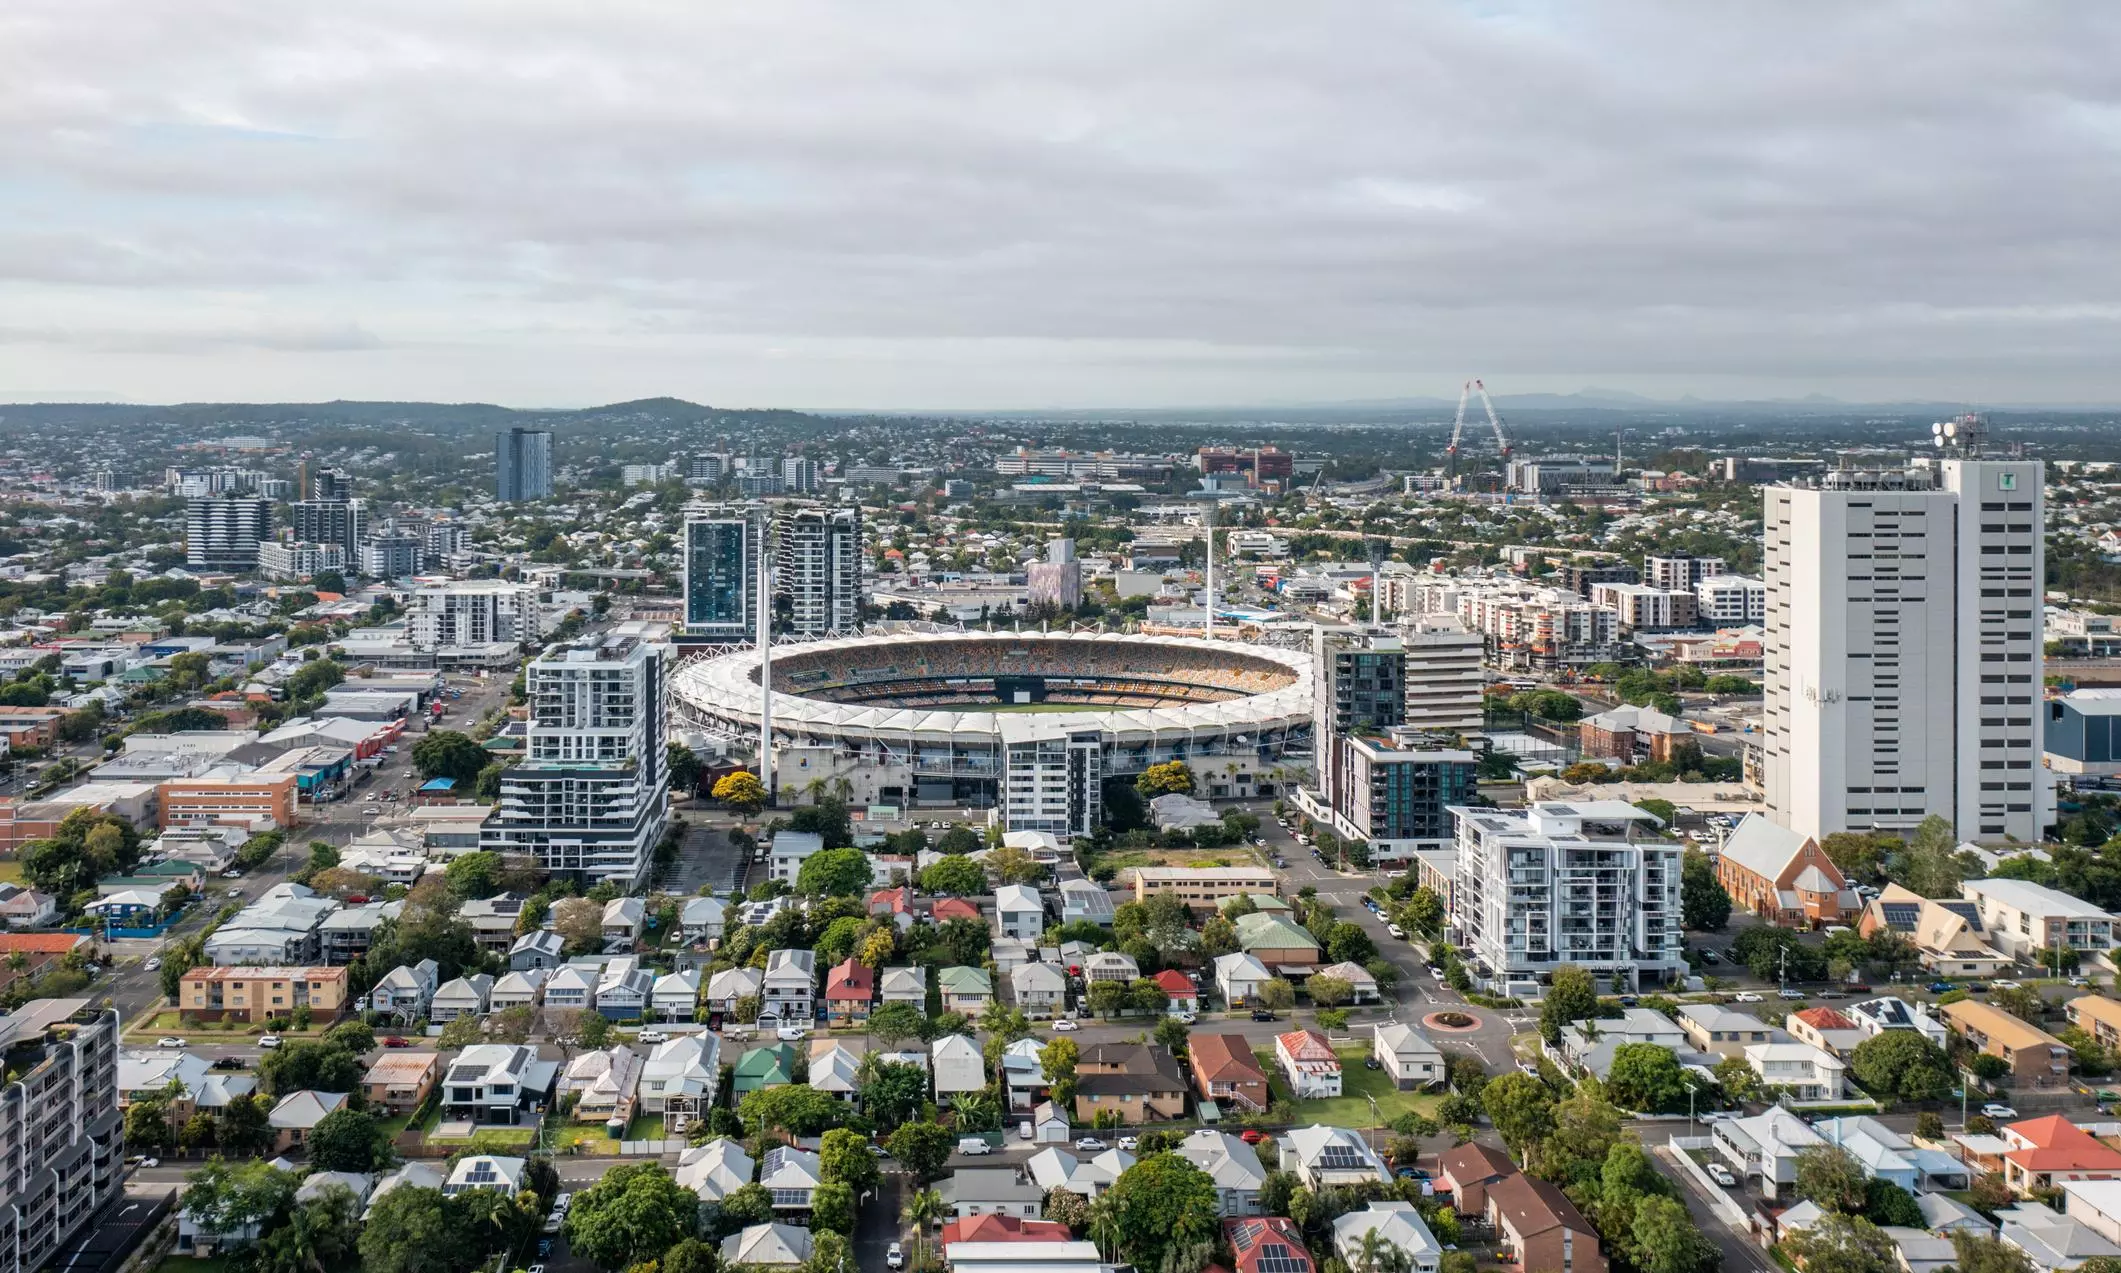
(842, 207)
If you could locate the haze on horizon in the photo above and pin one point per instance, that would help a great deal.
(917, 205)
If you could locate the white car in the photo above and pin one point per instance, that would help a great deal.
(791, 1033)
(268, 1041)
(652, 1036)
(170, 1041)
(2004, 985)
(150, 1162)
(154, 964)
(894, 1257)
(1747, 997)
(1130, 1142)
(1064, 1026)
(1089, 1143)
(1994, 1110)
(1186, 1018)
(1722, 1175)
(1396, 931)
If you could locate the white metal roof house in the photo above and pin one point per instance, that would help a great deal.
(681, 1076)
(1398, 1224)
(1324, 1157)
(1239, 977)
(1408, 1057)
(767, 1246)
(1018, 912)
(957, 1065)
(676, 995)
(716, 1169)
(485, 1171)
(517, 990)
(463, 997)
(405, 991)
(787, 852)
(622, 989)
(790, 986)
(790, 1175)
(702, 919)
(905, 985)
(624, 917)
(731, 984)
(1233, 1165)
(542, 948)
(571, 986)
(1039, 989)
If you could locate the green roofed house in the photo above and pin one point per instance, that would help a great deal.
(966, 990)
(1275, 940)
(153, 877)
(770, 1065)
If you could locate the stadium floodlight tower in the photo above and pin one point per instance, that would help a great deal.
(765, 608)
(1208, 613)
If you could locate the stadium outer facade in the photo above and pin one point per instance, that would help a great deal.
(895, 719)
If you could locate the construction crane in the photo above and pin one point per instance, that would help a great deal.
(1458, 426)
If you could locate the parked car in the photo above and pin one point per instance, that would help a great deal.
(268, 1041)
(1372, 1063)
(2080, 982)
(1998, 1111)
(1711, 957)
(894, 1257)
(652, 1036)
(1787, 993)
(1089, 1144)
(1941, 987)
(1747, 997)
(1186, 1018)
(1064, 1025)
(393, 1041)
(2005, 985)
(1130, 1142)
(170, 1041)
(1252, 1136)
(1261, 1014)
(229, 1063)
(1396, 931)
(791, 1033)
(973, 1146)
(1722, 1175)
(1628, 1001)
(150, 1162)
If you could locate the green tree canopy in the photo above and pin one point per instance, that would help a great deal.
(1704, 906)
(1901, 1065)
(1572, 997)
(834, 873)
(1160, 1202)
(449, 753)
(634, 1214)
(1646, 1078)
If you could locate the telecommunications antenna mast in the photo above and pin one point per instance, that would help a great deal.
(1458, 425)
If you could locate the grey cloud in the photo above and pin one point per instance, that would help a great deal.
(1309, 199)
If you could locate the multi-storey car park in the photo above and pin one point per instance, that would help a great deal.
(1031, 723)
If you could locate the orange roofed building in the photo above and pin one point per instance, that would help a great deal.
(2044, 1152)
(1783, 877)
(1000, 1228)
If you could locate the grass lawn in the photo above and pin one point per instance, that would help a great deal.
(491, 1136)
(1351, 1108)
(10, 870)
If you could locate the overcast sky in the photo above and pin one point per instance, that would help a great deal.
(989, 204)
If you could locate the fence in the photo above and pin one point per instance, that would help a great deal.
(1726, 1209)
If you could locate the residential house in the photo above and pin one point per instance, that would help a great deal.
(1182, 997)
(2024, 918)
(1308, 1063)
(728, 986)
(1010, 953)
(1110, 965)
(1056, 1168)
(1276, 941)
(1360, 982)
(1765, 1146)
(906, 985)
(770, 1065)
(2098, 1016)
(605, 1084)
(22, 907)
(1469, 1171)
(2046, 1152)
(1408, 1058)
(1238, 978)
(789, 988)
(2096, 1204)
(346, 933)
(958, 1067)
(1826, 1029)
(1593, 1044)
(992, 1228)
(486, 1171)
(701, 919)
(463, 997)
(767, 1246)
(397, 1082)
(1018, 912)
(1540, 1228)
(200, 1088)
(1721, 1031)
(1267, 1244)
(897, 904)
(542, 948)
(493, 920)
(1086, 900)
(1889, 1156)
(1040, 990)
(1226, 1071)
(1233, 1165)
(992, 1191)
(966, 990)
(1023, 1074)
(1876, 1016)
(2050, 1240)
(788, 850)
(790, 1175)
(1137, 1081)
(1328, 1157)
(1398, 1226)
(2035, 1057)
(623, 987)
(246, 994)
(491, 1082)
(850, 992)
(675, 996)
(297, 1115)
(1050, 1125)
(571, 987)
(1948, 934)
(716, 1169)
(835, 1069)
(1810, 1073)
(1783, 876)
(405, 992)
(679, 1078)
(625, 918)
(949, 908)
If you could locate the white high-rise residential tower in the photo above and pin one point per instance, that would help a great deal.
(1904, 650)
(820, 572)
(590, 798)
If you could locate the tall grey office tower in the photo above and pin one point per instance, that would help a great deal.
(1358, 682)
(798, 474)
(223, 532)
(1904, 650)
(821, 569)
(329, 521)
(721, 572)
(522, 462)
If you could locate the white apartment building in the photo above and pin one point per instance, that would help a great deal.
(223, 532)
(1531, 626)
(1443, 675)
(821, 569)
(287, 562)
(1643, 607)
(1679, 574)
(1904, 650)
(2023, 919)
(472, 612)
(62, 1135)
(1050, 780)
(590, 797)
(1565, 884)
(1731, 601)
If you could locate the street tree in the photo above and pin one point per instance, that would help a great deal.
(634, 1214)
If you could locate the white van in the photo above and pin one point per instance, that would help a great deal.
(974, 1145)
(1023, 1130)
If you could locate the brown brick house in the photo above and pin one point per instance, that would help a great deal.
(1540, 1227)
(1140, 1082)
(1225, 1070)
(1783, 877)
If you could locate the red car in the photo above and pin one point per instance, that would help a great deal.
(1253, 1136)
(395, 1042)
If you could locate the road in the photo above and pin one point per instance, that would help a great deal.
(1740, 1253)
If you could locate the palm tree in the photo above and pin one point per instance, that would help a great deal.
(1379, 1256)
(923, 1208)
(976, 1111)
(815, 789)
(1104, 1225)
